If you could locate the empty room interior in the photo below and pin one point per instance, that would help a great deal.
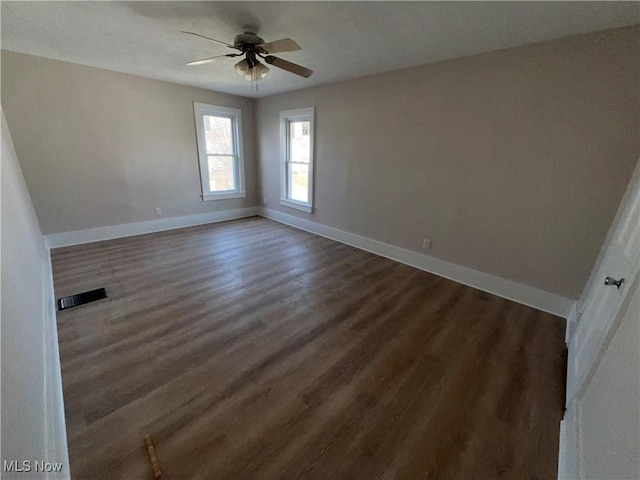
(320, 240)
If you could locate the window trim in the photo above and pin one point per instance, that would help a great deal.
(287, 116)
(235, 114)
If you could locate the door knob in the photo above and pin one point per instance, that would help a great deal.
(610, 281)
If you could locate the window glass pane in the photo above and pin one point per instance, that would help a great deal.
(218, 134)
(299, 186)
(300, 142)
(221, 173)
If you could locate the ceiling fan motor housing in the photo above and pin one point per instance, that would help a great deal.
(247, 38)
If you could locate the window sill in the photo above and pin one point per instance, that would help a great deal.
(303, 207)
(222, 196)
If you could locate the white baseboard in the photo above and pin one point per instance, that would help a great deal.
(530, 296)
(56, 431)
(118, 231)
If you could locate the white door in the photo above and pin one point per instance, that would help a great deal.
(598, 308)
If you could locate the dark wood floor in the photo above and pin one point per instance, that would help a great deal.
(252, 350)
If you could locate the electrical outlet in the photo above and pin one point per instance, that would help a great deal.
(158, 211)
(426, 244)
(264, 201)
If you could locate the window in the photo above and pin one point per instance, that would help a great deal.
(219, 132)
(296, 131)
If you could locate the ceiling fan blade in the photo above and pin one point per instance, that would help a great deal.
(280, 46)
(202, 61)
(212, 39)
(288, 66)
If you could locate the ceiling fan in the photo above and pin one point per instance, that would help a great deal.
(253, 48)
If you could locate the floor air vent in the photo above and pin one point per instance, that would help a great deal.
(81, 298)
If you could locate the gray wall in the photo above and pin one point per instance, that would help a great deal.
(32, 412)
(610, 407)
(103, 148)
(512, 162)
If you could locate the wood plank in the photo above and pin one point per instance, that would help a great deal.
(249, 349)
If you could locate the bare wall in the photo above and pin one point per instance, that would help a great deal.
(32, 409)
(512, 162)
(104, 148)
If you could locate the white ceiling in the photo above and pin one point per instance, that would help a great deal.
(339, 40)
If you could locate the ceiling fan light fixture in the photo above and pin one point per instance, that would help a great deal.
(242, 67)
(255, 73)
(261, 69)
